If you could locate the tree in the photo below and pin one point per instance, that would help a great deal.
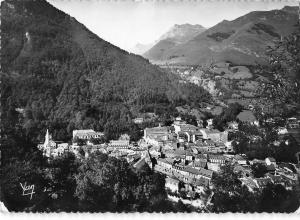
(228, 193)
(275, 198)
(284, 69)
(108, 184)
(228, 114)
(259, 170)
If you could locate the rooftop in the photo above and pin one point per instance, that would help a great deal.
(216, 157)
(272, 159)
(201, 171)
(248, 181)
(262, 182)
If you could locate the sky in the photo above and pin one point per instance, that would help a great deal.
(125, 23)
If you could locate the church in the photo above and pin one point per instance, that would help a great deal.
(50, 148)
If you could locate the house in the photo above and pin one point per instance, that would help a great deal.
(86, 134)
(201, 158)
(209, 123)
(165, 162)
(249, 183)
(164, 166)
(255, 161)
(244, 171)
(293, 123)
(262, 182)
(270, 161)
(198, 173)
(271, 168)
(138, 120)
(199, 164)
(240, 159)
(140, 163)
(215, 158)
(189, 156)
(215, 162)
(133, 157)
(278, 179)
(172, 183)
(289, 181)
(221, 147)
(282, 131)
(233, 125)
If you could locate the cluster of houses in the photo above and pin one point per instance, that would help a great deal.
(188, 155)
(284, 174)
(115, 148)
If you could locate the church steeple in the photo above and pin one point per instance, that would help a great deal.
(47, 138)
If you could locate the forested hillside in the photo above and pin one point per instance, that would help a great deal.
(63, 77)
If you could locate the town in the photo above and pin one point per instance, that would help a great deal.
(186, 154)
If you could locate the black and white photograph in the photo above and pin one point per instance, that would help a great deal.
(150, 106)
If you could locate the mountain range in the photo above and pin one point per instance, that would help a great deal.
(240, 41)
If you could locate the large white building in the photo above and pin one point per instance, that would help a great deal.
(86, 134)
(191, 132)
(215, 135)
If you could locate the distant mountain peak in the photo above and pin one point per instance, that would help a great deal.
(182, 32)
(176, 35)
(291, 9)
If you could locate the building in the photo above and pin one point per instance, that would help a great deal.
(233, 125)
(282, 131)
(180, 125)
(278, 179)
(270, 161)
(293, 123)
(215, 162)
(201, 158)
(140, 163)
(240, 159)
(172, 183)
(219, 159)
(119, 144)
(138, 120)
(215, 135)
(156, 136)
(86, 134)
(249, 183)
(186, 132)
(262, 182)
(243, 171)
(186, 174)
(52, 149)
